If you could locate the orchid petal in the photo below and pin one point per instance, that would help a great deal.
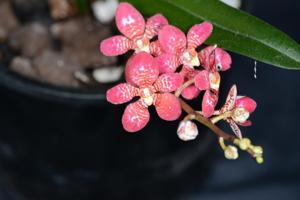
(246, 123)
(202, 80)
(167, 106)
(129, 21)
(230, 100)
(115, 45)
(154, 24)
(172, 39)
(135, 117)
(222, 60)
(209, 103)
(168, 82)
(235, 128)
(247, 103)
(190, 92)
(141, 70)
(198, 34)
(121, 93)
(167, 62)
(188, 72)
(155, 48)
(206, 57)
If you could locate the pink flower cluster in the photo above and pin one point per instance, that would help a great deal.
(164, 59)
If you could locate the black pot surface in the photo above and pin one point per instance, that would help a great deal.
(60, 143)
(60, 151)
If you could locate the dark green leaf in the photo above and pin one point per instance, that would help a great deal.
(234, 30)
(82, 6)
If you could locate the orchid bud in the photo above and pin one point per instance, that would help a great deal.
(258, 150)
(187, 130)
(231, 152)
(244, 143)
(259, 160)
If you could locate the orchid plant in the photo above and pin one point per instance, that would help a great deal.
(166, 69)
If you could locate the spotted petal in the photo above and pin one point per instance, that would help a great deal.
(172, 39)
(230, 100)
(155, 48)
(209, 103)
(135, 117)
(141, 70)
(235, 128)
(188, 72)
(168, 82)
(167, 62)
(167, 106)
(129, 21)
(190, 92)
(198, 34)
(206, 57)
(202, 80)
(121, 93)
(154, 24)
(246, 102)
(115, 45)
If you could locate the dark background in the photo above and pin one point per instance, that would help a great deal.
(275, 122)
(28, 123)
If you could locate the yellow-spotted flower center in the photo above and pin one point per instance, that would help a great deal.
(142, 44)
(147, 96)
(240, 115)
(214, 80)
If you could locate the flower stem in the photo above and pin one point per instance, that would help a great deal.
(222, 144)
(256, 152)
(220, 117)
(182, 87)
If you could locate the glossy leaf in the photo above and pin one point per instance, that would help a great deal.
(234, 30)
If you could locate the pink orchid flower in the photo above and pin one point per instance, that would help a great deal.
(179, 49)
(143, 80)
(137, 33)
(240, 107)
(213, 59)
(208, 81)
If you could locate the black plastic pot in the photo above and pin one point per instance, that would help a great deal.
(60, 143)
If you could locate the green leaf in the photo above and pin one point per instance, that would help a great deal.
(82, 6)
(234, 30)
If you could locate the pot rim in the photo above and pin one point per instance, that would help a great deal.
(37, 89)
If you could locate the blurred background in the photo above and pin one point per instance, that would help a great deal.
(60, 139)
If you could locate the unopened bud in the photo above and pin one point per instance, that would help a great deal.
(244, 143)
(187, 130)
(231, 152)
(258, 150)
(259, 159)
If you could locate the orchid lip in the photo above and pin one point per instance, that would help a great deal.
(214, 80)
(147, 96)
(189, 59)
(240, 115)
(142, 45)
